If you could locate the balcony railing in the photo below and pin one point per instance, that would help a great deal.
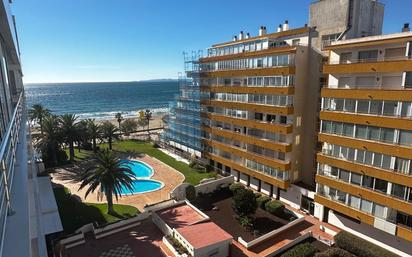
(8, 149)
(372, 60)
(367, 87)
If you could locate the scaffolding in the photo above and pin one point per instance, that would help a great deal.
(183, 130)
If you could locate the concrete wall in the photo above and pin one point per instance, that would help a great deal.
(221, 249)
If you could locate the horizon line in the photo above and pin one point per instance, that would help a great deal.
(118, 81)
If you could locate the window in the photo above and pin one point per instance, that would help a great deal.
(381, 185)
(376, 107)
(354, 202)
(350, 105)
(366, 206)
(367, 182)
(356, 179)
(344, 175)
(365, 56)
(379, 211)
(363, 106)
(405, 137)
(361, 131)
(390, 108)
(348, 130)
(403, 166)
(406, 109)
(408, 80)
(398, 190)
(387, 135)
(345, 57)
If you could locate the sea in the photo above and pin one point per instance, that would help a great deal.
(102, 101)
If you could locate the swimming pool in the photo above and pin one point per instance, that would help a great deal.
(142, 183)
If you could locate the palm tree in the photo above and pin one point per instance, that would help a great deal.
(94, 132)
(49, 141)
(119, 118)
(37, 113)
(148, 116)
(109, 176)
(69, 130)
(83, 134)
(109, 131)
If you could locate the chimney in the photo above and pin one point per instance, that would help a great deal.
(406, 27)
(247, 36)
(286, 25)
(241, 35)
(262, 30)
(234, 38)
(279, 28)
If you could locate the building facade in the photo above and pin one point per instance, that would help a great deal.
(28, 211)
(364, 173)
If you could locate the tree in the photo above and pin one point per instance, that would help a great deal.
(148, 116)
(244, 202)
(49, 141)
(83, 135)
(37, 113)
(68, 123)
(128, 126)
(94, 132)
(119, 118)
(109, 176)
(110, 132)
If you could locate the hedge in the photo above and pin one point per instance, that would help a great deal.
(275, 207)
(190, 193)
(262, 200)
(335, 252)
(301, 250)
(235, 186)
(359, 246)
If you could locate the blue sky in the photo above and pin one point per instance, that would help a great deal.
(125, 40)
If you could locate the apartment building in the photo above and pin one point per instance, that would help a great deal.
(28, 211)
(251, 108)
(364, 176)
(261, 97)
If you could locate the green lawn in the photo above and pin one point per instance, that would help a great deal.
(75, 214)
(79, 156)
(192, 176)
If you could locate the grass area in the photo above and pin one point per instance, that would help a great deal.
(74, 213)
(192, 176)
(80, 156)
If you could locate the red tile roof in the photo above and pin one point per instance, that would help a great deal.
(180, 216)
(204, 234)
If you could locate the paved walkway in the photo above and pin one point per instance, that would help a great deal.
(162, 172)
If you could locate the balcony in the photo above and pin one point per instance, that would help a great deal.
(367, 119)
(389, 64)
(282, 110)
(372, 92)
(266, 126)
(388, 175)
(275, 163)
(281, 70)
(278, 90)
(250, 139)
(253, 173)
(364, 193)
(374, 146)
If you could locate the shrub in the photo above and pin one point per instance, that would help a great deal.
(236, 186)
(244, 202)
(192, 163)
(246, 222)
(359, 246)
(301, 250)
(190, 193)
(335, 252)
(275, 207)
(262, 200)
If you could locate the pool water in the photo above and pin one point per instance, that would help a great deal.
(142, 183)
(140, 169)
(142, 186)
